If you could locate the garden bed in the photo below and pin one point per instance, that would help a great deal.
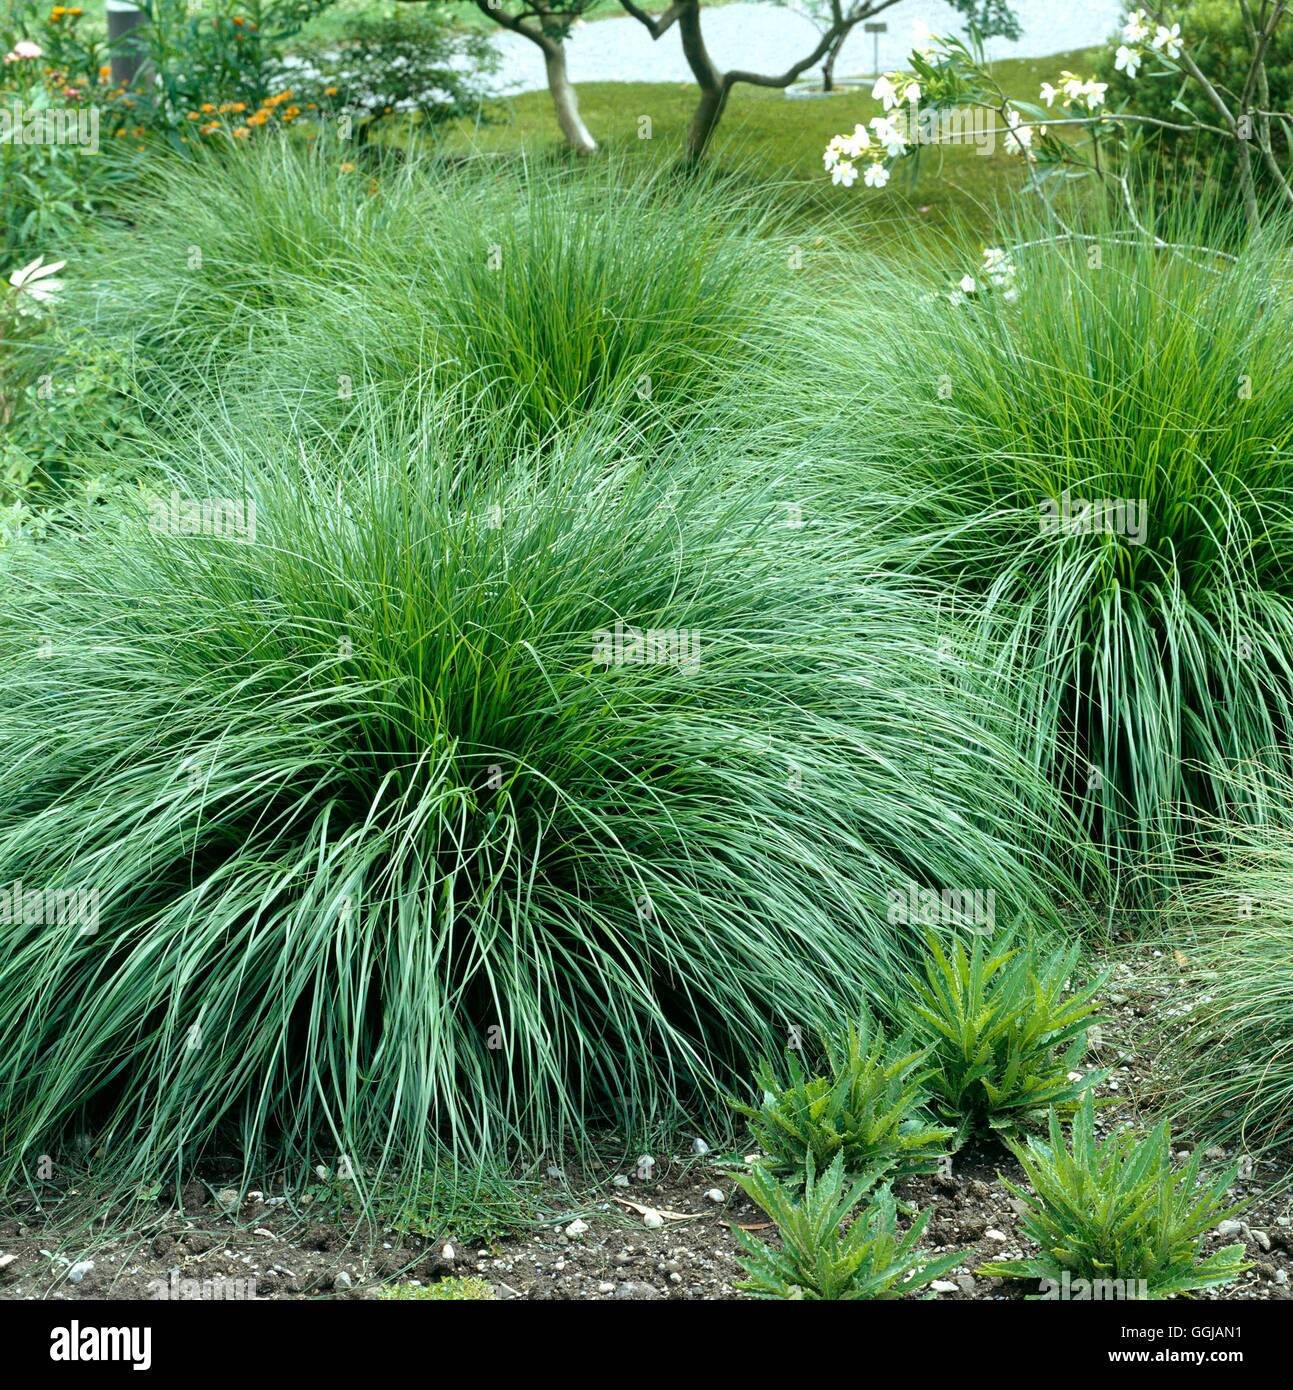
(304, 1253)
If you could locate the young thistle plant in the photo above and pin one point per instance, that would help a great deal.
(864, 1108)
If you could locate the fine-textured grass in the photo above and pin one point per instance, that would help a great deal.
(384, 854)
(1143, 663)
(1228, 1070)
(541, 293)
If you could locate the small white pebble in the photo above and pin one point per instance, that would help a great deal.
(652, 1219)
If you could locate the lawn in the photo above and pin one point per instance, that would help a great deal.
(780, 139)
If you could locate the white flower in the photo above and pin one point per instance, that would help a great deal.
(1169, 40)
(1020, 137)
(845, 172)
(876, 176)
(1071, 85)
(1093, 92)
(1010, 295)
(33, 280)
(967, 284)
(1136, 28)
(846, 146)
(1048, 94)
(888, 135)
(854, 144)
(955, 298)
(911, 92)
(1127, 60)
(885, 91)
(998, 267)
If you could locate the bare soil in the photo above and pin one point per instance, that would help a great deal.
(269, 1246)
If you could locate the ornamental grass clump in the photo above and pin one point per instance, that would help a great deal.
(1228, 1052)
(407, 801)
(1114, 1218)
(542, 292)
(1090, 442)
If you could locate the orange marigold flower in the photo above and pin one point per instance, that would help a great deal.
(240, 132)
(329, 91)
(208, 107)
(290, 113)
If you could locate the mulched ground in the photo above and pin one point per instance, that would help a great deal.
(224, 1240)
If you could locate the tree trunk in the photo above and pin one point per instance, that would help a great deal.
(828, 67)
(713, 86)
(704, 121)
(564, 100)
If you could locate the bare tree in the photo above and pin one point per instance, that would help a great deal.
(715, 85)
(547, 24)
(835, 19)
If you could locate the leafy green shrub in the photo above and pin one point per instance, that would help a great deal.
(1004, 1031)
(1116, 1212)
(866, 1109)
(869, 1259)
(1147, 643)
(468, 1289)
(59, 166)
(1227, 1061)
(423, 64)
(1217, 36)
(479, 802)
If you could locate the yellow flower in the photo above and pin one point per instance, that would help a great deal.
(258, 117)
(347, 168)
(208, 107)
(290, 113)
(240, 132)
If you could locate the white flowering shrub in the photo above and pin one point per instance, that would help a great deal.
(951, 96)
